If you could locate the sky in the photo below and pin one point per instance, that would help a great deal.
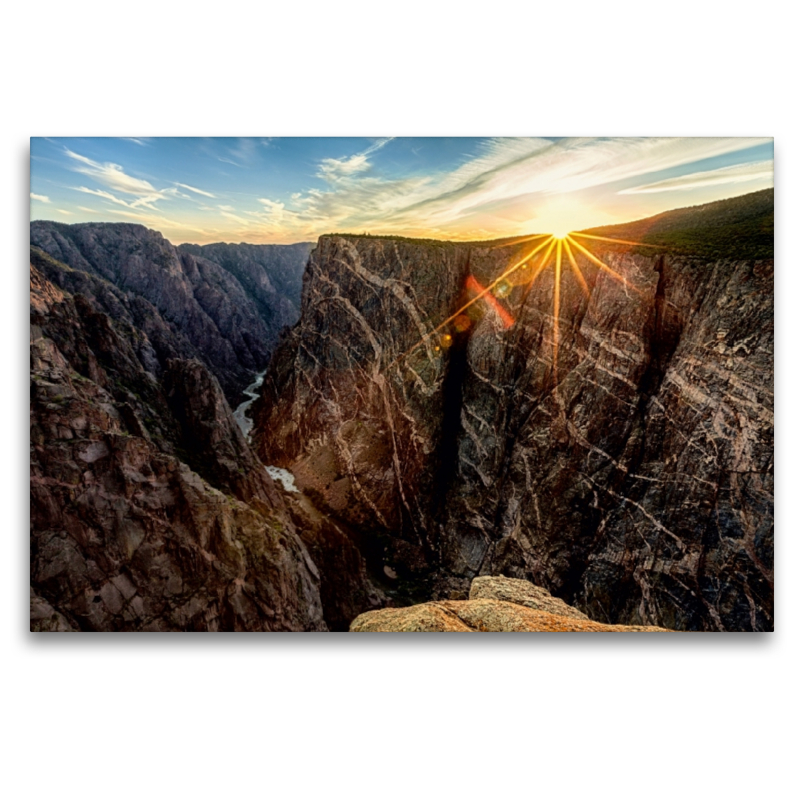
(284, 190)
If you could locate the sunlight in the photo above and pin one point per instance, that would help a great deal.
(558, 246)
(560, 215)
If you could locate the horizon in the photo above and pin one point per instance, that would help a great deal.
(294, 190)
(511, 239)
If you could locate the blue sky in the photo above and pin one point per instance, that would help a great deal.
(295, 189)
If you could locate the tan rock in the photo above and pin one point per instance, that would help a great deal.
(480, 616)
(523, 593)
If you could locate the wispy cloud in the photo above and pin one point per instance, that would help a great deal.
(195, 190)
(141, 202)
(336, 169)
(509, 181)
(738, 173)
(113, 176)
(162, 223)
(501, 186)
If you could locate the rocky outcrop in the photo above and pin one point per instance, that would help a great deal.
(210, 440)
(521, 593)
(486, 613)
(632, 476)
(124, 534)
(183, 304)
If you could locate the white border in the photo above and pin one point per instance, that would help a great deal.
(301, 716)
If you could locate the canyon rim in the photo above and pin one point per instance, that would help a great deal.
(436, 384)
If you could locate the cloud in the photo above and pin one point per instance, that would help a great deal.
(62, 211)
(334, 169)
(737, 173)
(161, 223)
(140, 202)
(40, 197)
(114, 177)
(195, 190)
(502, 187)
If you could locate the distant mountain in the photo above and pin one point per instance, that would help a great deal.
(741, 227)
(186, 304)
(271, 274)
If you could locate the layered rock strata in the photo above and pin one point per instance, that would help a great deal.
(631, 475)
(148, 509)
(185, 304)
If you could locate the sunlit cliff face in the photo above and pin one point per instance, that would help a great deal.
(556, 250)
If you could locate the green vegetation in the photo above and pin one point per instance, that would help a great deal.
(741, 227)
(42, 260)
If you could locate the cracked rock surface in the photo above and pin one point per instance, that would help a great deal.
(490, 609)
(632, 477)
(124, 534)
(222, 305)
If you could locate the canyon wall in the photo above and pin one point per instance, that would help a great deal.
(185, 304)
(149, 510)
(631, 475)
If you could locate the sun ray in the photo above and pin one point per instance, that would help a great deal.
(595, 260)
(556, 308)
(576, 269)
(615, 241)
(477, 297)
(521, 240)
(502, 286)
(543, 263)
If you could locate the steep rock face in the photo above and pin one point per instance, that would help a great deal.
(347, 588)
(211, 440)
(632, 476)
(185, 305)
(124, 535)
(271, 274)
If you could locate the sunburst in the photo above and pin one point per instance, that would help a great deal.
(524, 272)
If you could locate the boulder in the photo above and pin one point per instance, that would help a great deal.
(522, 593)
(496, 605)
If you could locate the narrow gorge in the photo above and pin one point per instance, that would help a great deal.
(600, 426)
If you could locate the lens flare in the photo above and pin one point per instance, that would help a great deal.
(524, 273)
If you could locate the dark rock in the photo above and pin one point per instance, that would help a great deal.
(124, 535)
(184, 305)
(632, 477)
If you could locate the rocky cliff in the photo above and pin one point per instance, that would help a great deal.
(187, 305)
(608, 436)
(149, 511)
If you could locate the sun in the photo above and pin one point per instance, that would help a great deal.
(558, 249)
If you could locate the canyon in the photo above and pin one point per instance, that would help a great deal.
(438, 433)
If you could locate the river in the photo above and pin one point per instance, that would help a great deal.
(246, 424)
